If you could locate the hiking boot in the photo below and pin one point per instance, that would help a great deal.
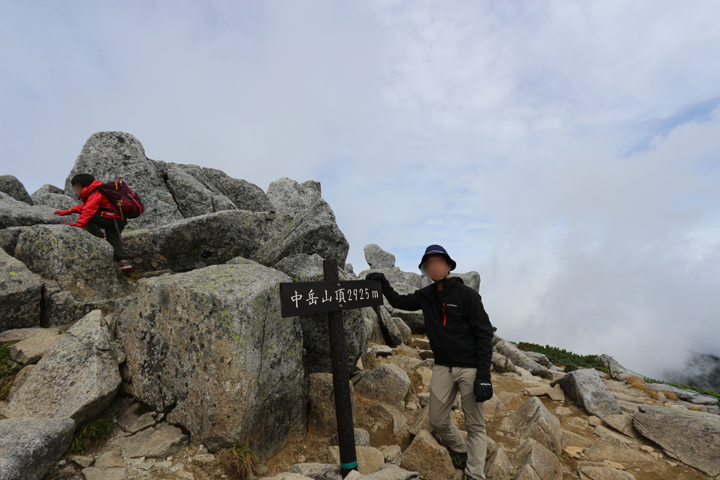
(468, 477)
(458, 459)
(124, 265)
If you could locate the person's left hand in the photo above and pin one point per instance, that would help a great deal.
(482, 388)
(73, 224)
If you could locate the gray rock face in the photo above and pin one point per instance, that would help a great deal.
(14, 187)
(542, 461)
(59, 307)
(290, 197)
(77, 378)
(160, 441)
(199, 241)
(585, 388)
(691, 437)
(313, 230)
(14, 213)
(385, 384)
(20, 295)
(30, 447)
(471, 279)
(391, 333)
(520, 359)
(78, 261)
(376, 257)
(47, 188)
(56, 201)
(194, 193)
(111, 156)
(357, 323)
(533, 420)
(212, 342)
(245, 195)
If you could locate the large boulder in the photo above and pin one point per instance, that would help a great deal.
(199, 241)
(14, 187)
(78, 261)
(520, 359)
(77, 378)
(111, 156)
(357, 322)
(30, 447)
(691, 437)
(376, 257)
(55, 201)
(533, 420)
(194, 193)
(20, 295)
(211, 343)
(586, 389)
(290, 197)
(542, 461)
(245, 195)
(14, 213)
(385, 384)
(312, 230)
(52, 196)
(426, 456)
(59, 307)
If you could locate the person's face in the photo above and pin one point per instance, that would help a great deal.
(78, 189)
(436, 267)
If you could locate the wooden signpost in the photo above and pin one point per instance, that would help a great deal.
(333, 296)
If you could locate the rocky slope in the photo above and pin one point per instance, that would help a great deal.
(189, 355)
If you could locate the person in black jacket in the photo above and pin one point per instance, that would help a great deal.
(460, 335)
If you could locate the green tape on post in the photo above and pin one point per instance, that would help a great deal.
(349, 465)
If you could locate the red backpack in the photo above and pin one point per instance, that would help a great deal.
(126, 201)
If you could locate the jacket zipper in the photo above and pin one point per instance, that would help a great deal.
(444, 316)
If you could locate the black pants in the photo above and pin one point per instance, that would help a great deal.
(97, 224)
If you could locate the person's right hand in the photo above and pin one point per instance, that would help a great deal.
(62, 212)
(376, 276)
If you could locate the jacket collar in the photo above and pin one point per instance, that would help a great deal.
(448, 283)
(85, 193)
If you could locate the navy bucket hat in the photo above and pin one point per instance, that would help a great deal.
(437, 250)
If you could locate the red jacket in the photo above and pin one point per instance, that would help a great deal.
(91, 205)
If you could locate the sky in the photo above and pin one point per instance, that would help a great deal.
(568, 151)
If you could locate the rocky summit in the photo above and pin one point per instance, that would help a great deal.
(184, 368)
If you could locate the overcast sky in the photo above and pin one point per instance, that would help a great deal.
(567, 151)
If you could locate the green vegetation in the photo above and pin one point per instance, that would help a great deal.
(711, 393)
(7, 366)
(89, 436)
(561, 357)
(238, 461)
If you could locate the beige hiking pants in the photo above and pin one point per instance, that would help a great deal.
(444, 385)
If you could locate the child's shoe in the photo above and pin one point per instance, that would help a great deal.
(124, 265)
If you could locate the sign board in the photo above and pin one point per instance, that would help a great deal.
(333, 297)
(306, 298)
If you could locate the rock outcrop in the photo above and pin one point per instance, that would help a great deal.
(13, 187)
(585, 388)
(20, 295)
(29, 447)
(77, 378)
(78, 261)
(211, 343)
(691, 437)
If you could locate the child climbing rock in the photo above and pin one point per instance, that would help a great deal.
(98, 216)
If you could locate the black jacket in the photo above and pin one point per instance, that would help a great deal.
(456, 323)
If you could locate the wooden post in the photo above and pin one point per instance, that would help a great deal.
(341, 376)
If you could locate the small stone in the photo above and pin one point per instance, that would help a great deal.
(573, 451)
(594, 421)
(83, 460)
